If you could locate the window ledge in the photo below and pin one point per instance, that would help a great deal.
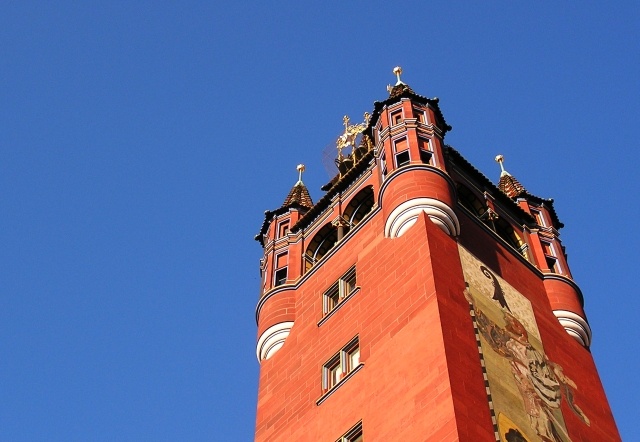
(345, 299)
(342, 381)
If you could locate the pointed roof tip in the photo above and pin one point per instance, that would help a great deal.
(298, 195)
(508, 184)
(397, 71)
(400, 87)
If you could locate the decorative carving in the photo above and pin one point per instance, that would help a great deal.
(351, 131)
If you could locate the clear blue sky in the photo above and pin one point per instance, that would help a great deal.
(141, 142)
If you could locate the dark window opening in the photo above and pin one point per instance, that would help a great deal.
(321, 243)
(403, 158)
(332, 297)
(340, 290)
(470, 201)
(425, 156)
(506, 232)
(280, 277)
(359, 206)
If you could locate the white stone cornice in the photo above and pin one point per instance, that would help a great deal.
(272, 339)
(406, 214)
(575, 325)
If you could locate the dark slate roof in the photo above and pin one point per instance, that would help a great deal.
(511, 187)
(298, 199)
(298, 195)
(337, 184)
(404, 91)
(501, 195)
(453, 155)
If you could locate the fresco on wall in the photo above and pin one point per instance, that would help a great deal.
(525, 388)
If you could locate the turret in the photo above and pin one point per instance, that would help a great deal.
(549, 256)
(281, 264)
(408, 131)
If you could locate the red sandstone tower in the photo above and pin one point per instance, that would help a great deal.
(419, 301)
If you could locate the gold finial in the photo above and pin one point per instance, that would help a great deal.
(397, 71)
(300, 169)
(500, 160)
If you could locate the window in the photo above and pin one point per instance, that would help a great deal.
(549, 256)
(403, 158)
(401, 148)
(418, 114)
(470, 201)
(359, 206)
(539, 218)
(283, 229)
(340, 290)
(425, 153)
(396, 117)
(321, 243)
(353, 435)
(383, 166)
(340, 365)
(280, 275)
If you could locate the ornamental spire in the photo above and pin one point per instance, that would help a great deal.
(299, 195)
(398, 70)
(508, 184)
(400, 87)
(300, 169)
(500, 160)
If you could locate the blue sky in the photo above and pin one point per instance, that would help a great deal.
(141, 142)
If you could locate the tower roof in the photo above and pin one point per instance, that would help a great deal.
(403, 90)
(298, 199)
(298, 196)
(510, 186)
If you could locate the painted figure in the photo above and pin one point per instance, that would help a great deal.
(541, 383)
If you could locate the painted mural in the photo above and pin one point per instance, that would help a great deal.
(525, 389)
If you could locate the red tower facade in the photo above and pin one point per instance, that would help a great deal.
(419, 301)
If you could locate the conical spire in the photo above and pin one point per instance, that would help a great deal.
(400, 87)
(508, 184)
(299, 195)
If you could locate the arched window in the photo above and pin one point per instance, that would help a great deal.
(506, 232)
(476, 206)
(321, 243)
(359, 206)
(470, 201)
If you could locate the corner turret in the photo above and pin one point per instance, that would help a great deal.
(549, 256)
